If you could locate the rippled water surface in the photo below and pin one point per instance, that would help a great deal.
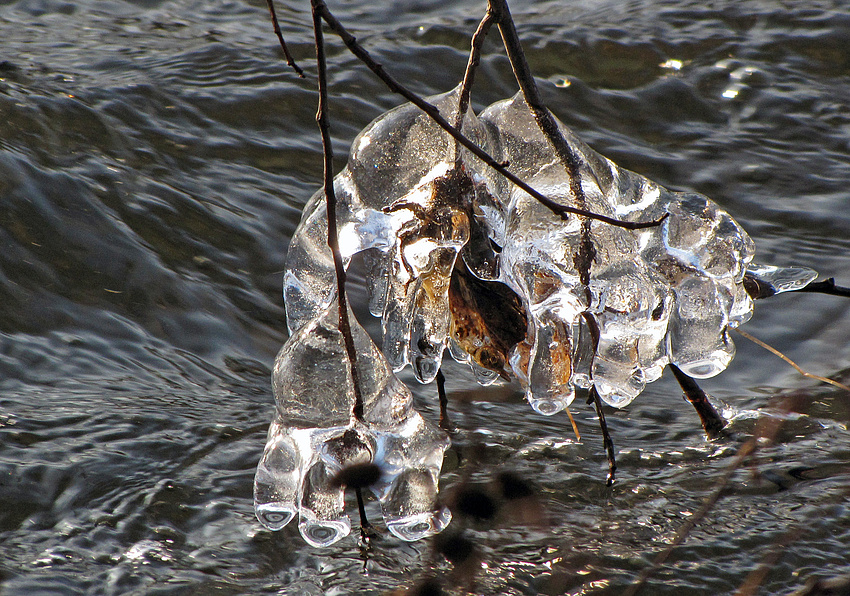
(154, 158)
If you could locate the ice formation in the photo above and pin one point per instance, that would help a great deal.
(459, 257)
(314, 436)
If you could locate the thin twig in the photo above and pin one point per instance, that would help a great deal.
(606, 436)
(562, 211)
(826, 287)
(474, 60)
(573, 422)
(322, 117)
(366, 530)
(712, 422)
(759, 574)
(289, 59)
(776, 352)
(545, 121)
(444, 400)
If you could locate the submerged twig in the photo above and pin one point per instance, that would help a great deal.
(330, 199)
(289, 59)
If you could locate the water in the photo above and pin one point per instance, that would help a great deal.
(155, 159)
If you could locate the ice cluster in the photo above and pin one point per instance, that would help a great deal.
(459, 257)
(314, 436)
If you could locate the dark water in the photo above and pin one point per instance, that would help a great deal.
(154, 157)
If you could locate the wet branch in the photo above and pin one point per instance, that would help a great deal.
(562, 211)
(712, 422)
(606, 436)
(444, 401)
(322, 117)
(289, 59)
(826, 287)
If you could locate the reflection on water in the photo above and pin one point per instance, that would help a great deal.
(154, 159)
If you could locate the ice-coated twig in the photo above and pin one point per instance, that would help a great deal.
(322, 117)
(562, 210)
(712, 422)
(826, 287)
(289, 59)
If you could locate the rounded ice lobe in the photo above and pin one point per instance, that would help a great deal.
(314, 436)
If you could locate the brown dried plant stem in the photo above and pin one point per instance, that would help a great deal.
(323, 119)
(606, 436)
(562, 210)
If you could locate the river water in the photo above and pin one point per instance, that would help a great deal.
(154, 158)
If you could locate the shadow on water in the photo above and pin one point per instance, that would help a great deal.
(154, 159)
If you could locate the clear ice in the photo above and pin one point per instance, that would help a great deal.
(459, 256)
(314, 436)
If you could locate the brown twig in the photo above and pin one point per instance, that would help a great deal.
(562, 211)
(289, 59)
(474, 60)
(712, 422)
(322, 117)
(793, 364)
(606, 436)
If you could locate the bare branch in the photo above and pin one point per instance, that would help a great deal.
(606, 436)
(561, 210)
(322, 118)
(525, 79)
(474, 60)
(712, 422)
(289, 59)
